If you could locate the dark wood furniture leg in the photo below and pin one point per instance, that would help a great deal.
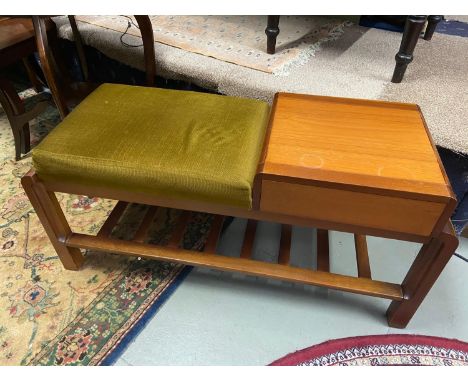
(428, 265)
(432, 22)
(413, 28)
(52, 218)
(18, 117)
(35, 81)
(9, 107)
(272, 31)
(79, 48)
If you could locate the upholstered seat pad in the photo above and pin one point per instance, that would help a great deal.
(169, 143)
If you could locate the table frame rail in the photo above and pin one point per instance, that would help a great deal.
(406, 297)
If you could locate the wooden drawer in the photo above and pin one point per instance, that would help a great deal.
(391, 213)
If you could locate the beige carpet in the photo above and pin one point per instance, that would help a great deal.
(359, 64)
(240, 40)
(437, 80)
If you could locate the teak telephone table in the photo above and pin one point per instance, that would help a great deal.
(365, 167)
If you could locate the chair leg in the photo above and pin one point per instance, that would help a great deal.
(413, 28)
(18, 117)
(35, 82)
(26, 139)
(18, 139)
(427, 267)
(272, 31)
(52, 218)
(13, 106)
(432, 22)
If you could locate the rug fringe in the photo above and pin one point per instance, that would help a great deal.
(305, 56)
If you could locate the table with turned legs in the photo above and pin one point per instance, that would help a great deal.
(413, 28)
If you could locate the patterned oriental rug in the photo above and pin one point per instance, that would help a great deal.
(239, 40)
(381, 350)
(50, 316)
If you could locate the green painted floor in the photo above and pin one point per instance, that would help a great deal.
(218, 318)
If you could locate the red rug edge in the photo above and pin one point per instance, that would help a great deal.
(332, 346)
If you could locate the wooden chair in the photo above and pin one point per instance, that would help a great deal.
(308, 160)
(17, 44)
(66, 93)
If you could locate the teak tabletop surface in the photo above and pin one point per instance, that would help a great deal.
(374, 144)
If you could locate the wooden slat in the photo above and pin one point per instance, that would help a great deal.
(145, 225)
(249, 238)
(285, 244)
(251, 267)
(323, 251)
(213, 236)
(362, 256)
(179, 230)
(113, 219)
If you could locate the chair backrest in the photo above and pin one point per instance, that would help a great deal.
(55, 73)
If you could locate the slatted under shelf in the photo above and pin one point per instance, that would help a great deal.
(173, 252)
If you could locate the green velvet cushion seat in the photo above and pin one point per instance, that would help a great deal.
(169, 143)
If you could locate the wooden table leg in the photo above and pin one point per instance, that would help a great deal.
(272, 31)
(428, 265)
(413, 28)
(53, 220)
(432, 22)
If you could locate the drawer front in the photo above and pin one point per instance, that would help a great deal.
(348, 207)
